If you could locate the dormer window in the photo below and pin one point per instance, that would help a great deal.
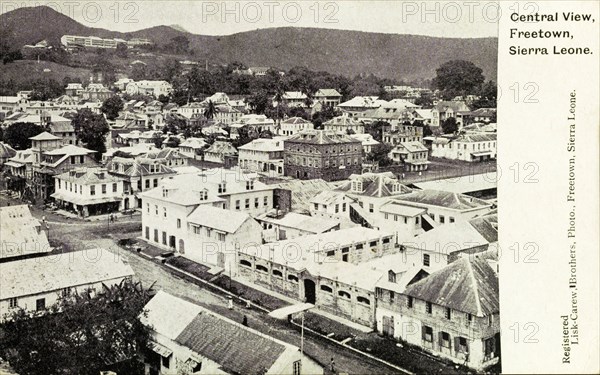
(391, 276)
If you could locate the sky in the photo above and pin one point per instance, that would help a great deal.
(459, 19)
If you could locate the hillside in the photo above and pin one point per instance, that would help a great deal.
(336, 51)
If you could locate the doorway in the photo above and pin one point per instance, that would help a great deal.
(309, 291)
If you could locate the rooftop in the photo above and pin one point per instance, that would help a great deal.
(218, 218)
(21, 233)
(444, 199)
(47, 274)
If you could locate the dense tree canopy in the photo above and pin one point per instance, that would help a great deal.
(91, 131)
(379, 155)
(449, 126)
(458, 77)
(112, 106)
(17, 135)
(80, 335)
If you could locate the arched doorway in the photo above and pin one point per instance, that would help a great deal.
(309, 291)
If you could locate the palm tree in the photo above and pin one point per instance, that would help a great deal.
(211, 110)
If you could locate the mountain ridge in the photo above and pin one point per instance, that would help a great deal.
(347, 52)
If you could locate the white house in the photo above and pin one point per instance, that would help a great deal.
(466, 147)
(367, 140)
(344, 124)
(152, 88)
(295, 125)
(189, 339)
(35, 284)
(218, 151)
(262, 155)
(328, 97)
(289, 225)
(413, 155)
(89, 191)
(214, 235)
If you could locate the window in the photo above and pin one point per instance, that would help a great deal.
(448, 313)
(373, 243)
(363, 300)
(208, 232)
(72, 159)
(148, 207)
(92, 189)
(293, 278)
(155, 209)
(426, 260)
(444, 339)
(277, 273)
(155, 183)
(386, 216)
(221, 237)
(395, 217)
(266, 201)
(469, 319)
(247, 203)
(432, 216)
(156, 235)
(178, 223)
(427, 334)
(391, 296)
(66, 292)
(490, 320)
(40, 304)
(442, 219)
(371, 208)
(147, 233)
(114, 187)
(343, 207)
(451, 219)
(326, 288)
(359, 246)
(256, 203)
(147, 184)
(417, 220)
(316, 205)
(237, 204)
(166, 361)
(386, 240)
(13, 303)
(410, 302)
(297, 367)
(344, 294)
(103, 188)
(249, 185)
(428, 307)
(164, 212)
(59, 184)
(261, 268)
(337, 208)
(461, 345)
(81, 159)
(245, 263)
(164, 238)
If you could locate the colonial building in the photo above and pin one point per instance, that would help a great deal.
(356, 106)
(89, 191)
(469, 147)
(344, 124)
(328, 97)
(35, 284)
(219, 151)
(262, 155)
(412, 155)
(320, 154)
(453, 313)
(337, 271)
(193, 342)
(295, 125)
(192, 147)
(443, 110)
(367, 141)
(152, 88)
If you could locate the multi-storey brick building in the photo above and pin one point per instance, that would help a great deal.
(320, 154)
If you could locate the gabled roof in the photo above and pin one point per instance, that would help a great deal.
(342, 121)
(6, 151)
(413, 146)
(263, 144)
(362, 101)
(217, 218)
(456, 106)
(86, 176)
(295, 120)
(304, 190)
(469, 285)
(327, 93)
(38, 275)
(159, 314)
(221, 147)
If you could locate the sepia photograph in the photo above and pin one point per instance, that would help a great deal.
(241, 187)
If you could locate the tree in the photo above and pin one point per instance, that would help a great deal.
(326, 113)
(487, 93)
(179, 44)
(91, 130)
(17, 135)
(157, 139)
(449, 126)
(80, 334)
(112, 106)
(379, 155)
(122, 50)
(376, 129)
(458, 77)
(211, 110)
